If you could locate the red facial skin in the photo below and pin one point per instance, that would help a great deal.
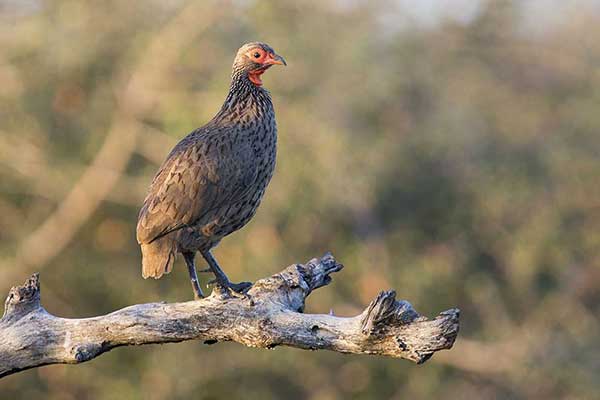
(266, 60)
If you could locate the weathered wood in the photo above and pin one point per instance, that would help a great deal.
(270, 315)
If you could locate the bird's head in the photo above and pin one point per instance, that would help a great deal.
(253, 59)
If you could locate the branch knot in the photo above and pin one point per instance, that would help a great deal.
(22, 299)
(316, 272)
(385, 311)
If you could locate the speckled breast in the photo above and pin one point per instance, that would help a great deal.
(237, 211)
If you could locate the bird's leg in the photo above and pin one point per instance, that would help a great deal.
(189, 260)
(220, 277)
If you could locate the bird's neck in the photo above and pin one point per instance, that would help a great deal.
(245, 97)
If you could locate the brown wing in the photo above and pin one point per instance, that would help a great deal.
(198, 177)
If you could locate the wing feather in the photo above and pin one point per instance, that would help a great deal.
(197, 178)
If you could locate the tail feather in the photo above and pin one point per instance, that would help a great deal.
(158, 257)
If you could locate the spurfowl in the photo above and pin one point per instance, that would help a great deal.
(213, 180)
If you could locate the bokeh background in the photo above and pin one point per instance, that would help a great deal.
(447, 149)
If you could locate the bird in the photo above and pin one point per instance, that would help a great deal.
(213, 180)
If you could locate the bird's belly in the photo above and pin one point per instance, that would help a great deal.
(237, 214)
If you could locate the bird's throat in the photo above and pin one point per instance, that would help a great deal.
(254, 76)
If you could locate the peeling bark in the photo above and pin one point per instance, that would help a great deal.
(270, 315)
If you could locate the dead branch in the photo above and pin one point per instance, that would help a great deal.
(271, 315)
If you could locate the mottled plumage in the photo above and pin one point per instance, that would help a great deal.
(212, 182)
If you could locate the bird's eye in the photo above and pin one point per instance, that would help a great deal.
(257, 55)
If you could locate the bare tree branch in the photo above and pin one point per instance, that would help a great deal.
(270, 315)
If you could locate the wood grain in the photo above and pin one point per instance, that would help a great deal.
(270, 315)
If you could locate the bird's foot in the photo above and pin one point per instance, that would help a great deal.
(198, 293)
(198, 296)
(234, 289)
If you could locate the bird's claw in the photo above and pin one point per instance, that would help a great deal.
(198, 296)
(234, 289)
(241, 287)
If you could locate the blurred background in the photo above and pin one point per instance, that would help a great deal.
(447, 149)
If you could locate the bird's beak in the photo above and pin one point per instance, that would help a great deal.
(274, 59)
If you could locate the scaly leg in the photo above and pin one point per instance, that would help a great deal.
(220, 277)
(189, 260)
